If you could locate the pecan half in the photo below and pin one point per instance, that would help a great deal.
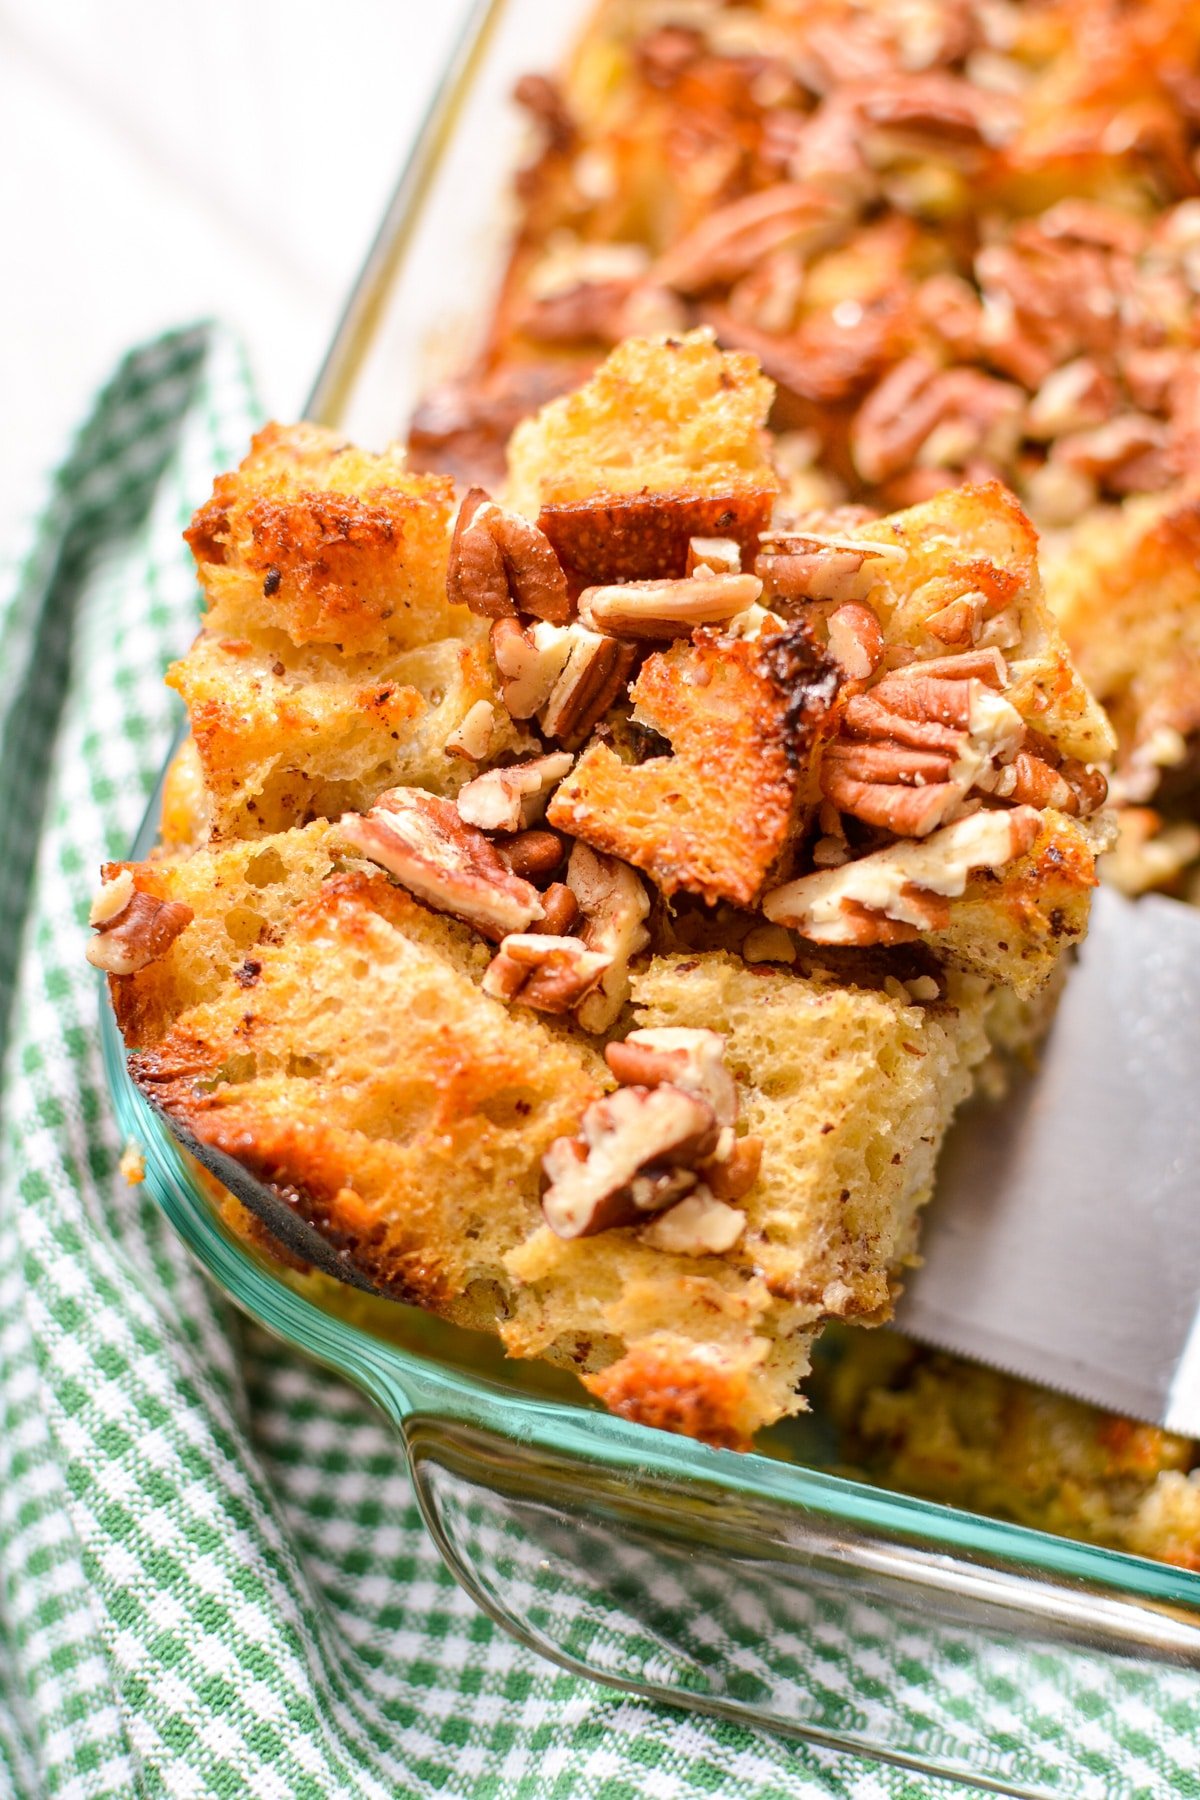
(550, 973)
(737, 236)
(621, 1166)
(913, 746)
(614, 904)
(512, 798)
(133, 929)
(501, 564)
(942, 418)
(882, 897)
(661, 610)
(443, 861)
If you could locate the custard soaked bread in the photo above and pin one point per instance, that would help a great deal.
(629, 1029)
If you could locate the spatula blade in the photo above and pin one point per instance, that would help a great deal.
(1063, 1243)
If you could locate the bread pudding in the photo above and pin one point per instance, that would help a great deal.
(582, 906)
(962, 239)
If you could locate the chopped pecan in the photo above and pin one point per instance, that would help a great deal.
(501, 564)
(700, 1224)
(471, 739)
(716, 555)
(737, 236)
(614, 905)
(561, 909)
(1127, 454)
(808, 565)
(941, 113)
(567, 675)
(1073, 397)
(960, 620)
(111, 898)
(1040, 776)
(856, 640)
(547, 972)
(446, 863)
(732, 1178)
(532, 854)
(661, 610)
(688, 1057)
(937, 417)
(530, 660)
(881, 897)
(593, 678)
(133, 929)
(621, 1165)
(513, 798)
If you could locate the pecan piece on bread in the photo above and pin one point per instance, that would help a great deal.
(630, 1159)
(614, 904)
(886, 896)
(565, 676)
(667, 609)
(501, 564)
(552, 974)
(512, 798)
(451, 866)
(698, 1225)
(913, 746)
(132, 928)
(690, 1058)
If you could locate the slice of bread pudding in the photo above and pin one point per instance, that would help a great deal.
(582, 918)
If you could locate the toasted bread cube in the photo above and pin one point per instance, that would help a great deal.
(977, 539)
(1012, 926)
(718, 816)
(1128, 597)
(360, 1070)
(851, 1089)
(284, 738)
(663, 444)
(326, 544)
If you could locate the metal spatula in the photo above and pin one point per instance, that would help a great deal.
(1063, 1243)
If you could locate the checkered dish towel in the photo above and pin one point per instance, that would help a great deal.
(213, 1577)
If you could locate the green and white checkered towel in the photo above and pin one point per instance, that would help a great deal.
(213, 1578)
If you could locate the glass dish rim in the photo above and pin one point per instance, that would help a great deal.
(408, 1384)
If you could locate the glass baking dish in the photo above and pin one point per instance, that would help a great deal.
(761, 1587)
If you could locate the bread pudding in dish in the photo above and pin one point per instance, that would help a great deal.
(582, 906)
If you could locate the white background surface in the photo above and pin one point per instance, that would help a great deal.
(166, 160)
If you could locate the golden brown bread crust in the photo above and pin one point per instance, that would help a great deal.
(718, 815)
(331, 665)
(316, 538)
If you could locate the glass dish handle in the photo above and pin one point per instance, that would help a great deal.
(770, 1614)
